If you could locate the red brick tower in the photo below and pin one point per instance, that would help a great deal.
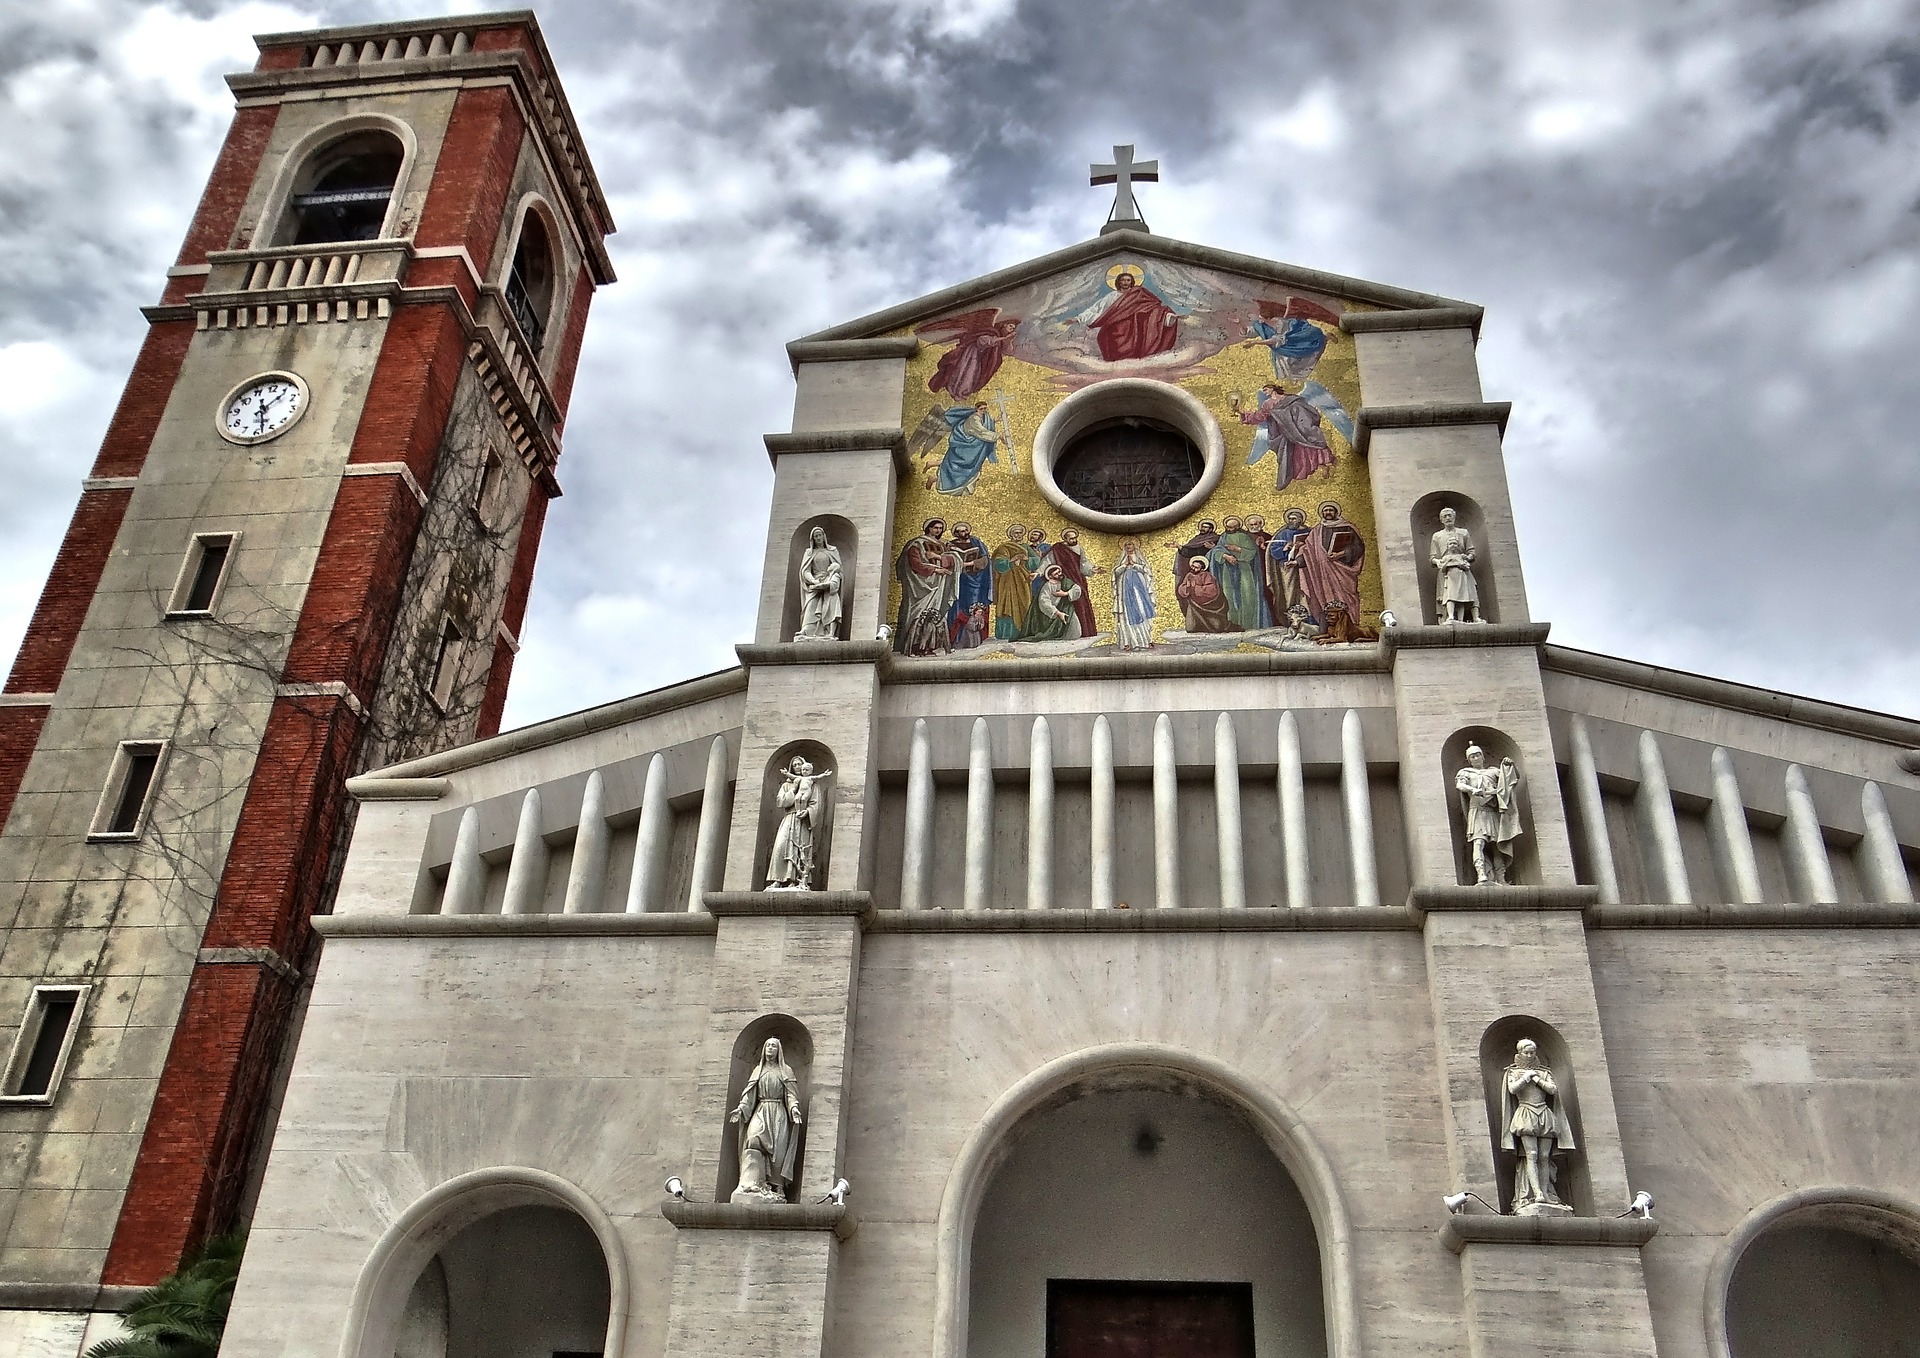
(303, 549)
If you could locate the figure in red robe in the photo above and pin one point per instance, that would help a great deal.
(1134, 323)
(1075, 567)
(1331, 557)
(981, 340)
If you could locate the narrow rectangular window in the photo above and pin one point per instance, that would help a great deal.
(202, 575)
(446, 666)
(124, 802)
(45, 1040)
(483, 493)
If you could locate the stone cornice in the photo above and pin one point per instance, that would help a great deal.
(1448, 635)
(1145, 665)
(671, 923)
(1424, 900)
(373, 788)
(1427, 415)
(721, 684)
(760, 1216)
(1130, 242)
(1147, 920)
(850, 350)
(874, 439)
(1905, 915)
(1458, 1232)
(814, 653)
(1761, 702)
(1419, 318)
(777, 903)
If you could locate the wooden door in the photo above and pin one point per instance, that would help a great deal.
(1102, 1319)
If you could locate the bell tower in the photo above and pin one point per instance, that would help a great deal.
(303, 549)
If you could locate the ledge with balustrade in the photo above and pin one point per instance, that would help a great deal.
(363, 280)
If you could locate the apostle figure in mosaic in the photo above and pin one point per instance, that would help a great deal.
(1075, 566)
(1133, 609)
(1535, 1128)
(1456, 593)
(1490, 799)
(1054, 615)
(928, 586)
(1331, 557)
(820, 582)
(1235, 565)
(803, 819)
(970, 617)
(768, 1116)
(1202, 601)
(1012, 585)
(1283, 564)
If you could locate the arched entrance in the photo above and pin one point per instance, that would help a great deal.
(1138, 1163)
(1826, 1273)
(494, 1264)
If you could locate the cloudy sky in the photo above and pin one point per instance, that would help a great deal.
(1692, 225)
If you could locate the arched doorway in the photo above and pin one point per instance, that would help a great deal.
(498, 1263)
(1141, 1164)
(1825, 1275)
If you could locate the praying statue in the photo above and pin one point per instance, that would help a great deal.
(1491, 800)
(769, 1117)
(1534, 1126)
(819, 589)
(803, 806)
(1456, 595)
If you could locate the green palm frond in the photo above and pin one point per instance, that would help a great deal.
(184, 1315)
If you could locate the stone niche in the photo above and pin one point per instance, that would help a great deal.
(1497, 745)
(770, 813)
(797, 1047)
(1425, 522)
(841, 534)
(1497, 1046)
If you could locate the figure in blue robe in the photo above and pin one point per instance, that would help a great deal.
(1295, 346)
(971, 441)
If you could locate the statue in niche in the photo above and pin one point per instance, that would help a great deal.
(1534, 1126)
(769, 1118)
(1456, 594)
(803, 817)
(820, 581)
(1491, 800)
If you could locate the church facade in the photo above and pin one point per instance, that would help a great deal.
(1149, 886)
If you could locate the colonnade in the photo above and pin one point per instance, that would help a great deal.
(1883, 873)
(916, 874)
(586, 887)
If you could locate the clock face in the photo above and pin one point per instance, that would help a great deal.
(263, 407)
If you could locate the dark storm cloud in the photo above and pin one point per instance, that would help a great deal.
(1692, 225)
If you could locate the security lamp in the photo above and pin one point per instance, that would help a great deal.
(838, 1194)
(1642, 1206)
(1387, 619)
(676, 1189)
(1456, 1203)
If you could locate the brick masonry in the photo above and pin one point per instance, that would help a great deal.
(69, 590)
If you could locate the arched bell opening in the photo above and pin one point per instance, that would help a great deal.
(1822, 1273)
(343, 191)
(495, 1263)
(1136, 1207)
(530, 279)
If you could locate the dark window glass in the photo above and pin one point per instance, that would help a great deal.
(1129, 466)
(348, 200)
(56, 1016)
(206, 575)
(530, 282)
(133, 791)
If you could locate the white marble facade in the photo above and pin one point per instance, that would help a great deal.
(1241, 881)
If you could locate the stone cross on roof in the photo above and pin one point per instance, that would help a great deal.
(1122, 173)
